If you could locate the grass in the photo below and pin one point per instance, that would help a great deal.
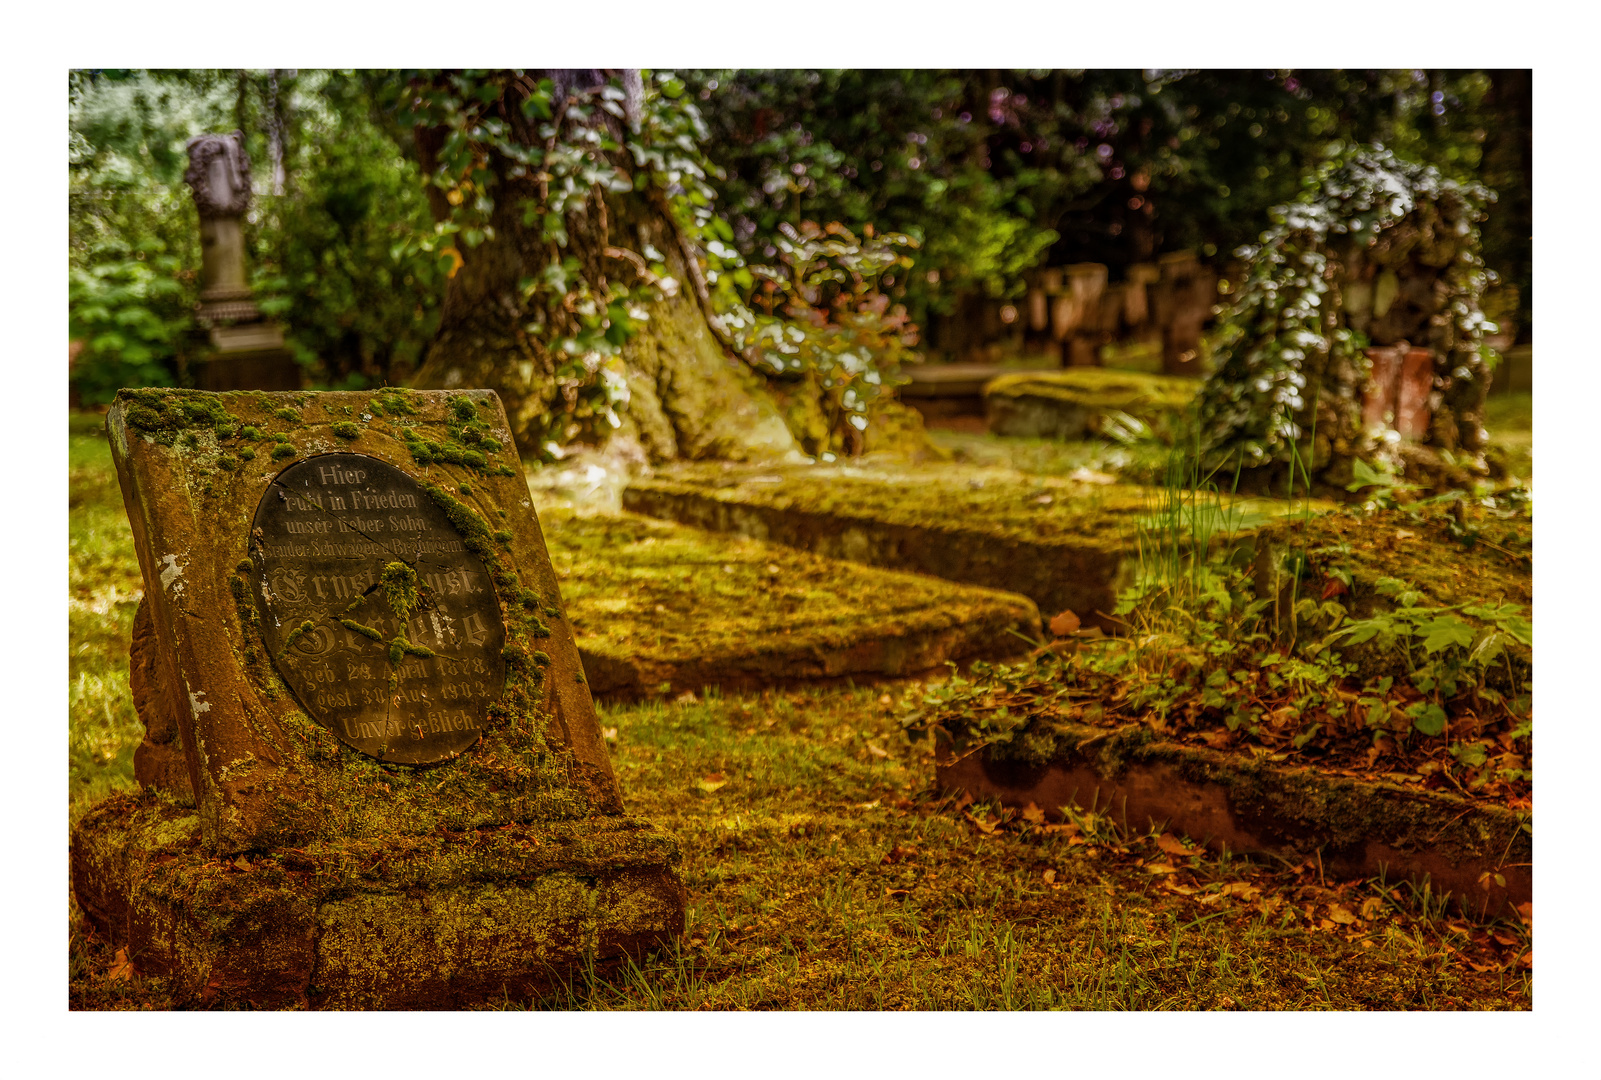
(103, 591)
(1509, 418)
(823, 873)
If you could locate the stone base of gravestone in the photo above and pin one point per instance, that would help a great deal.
(371, 922)
(372, 773)
(247, 356)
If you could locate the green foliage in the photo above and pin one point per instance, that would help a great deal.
(821, 320)
(1285, 356)
(342, 249)
(1207, 659)
(133, 242)
(992, 169)
(331, 257)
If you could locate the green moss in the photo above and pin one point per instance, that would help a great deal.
(400, 648)
(288, 416)
(648, 591)
(245, 566)
(247, 453)
(364, 631)
(359, 921)
(1100, 389)
(346, 430)
(295, 635)
(941, 498)
(400, 589)
(283, 450)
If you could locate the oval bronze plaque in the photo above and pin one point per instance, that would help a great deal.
(381, 621)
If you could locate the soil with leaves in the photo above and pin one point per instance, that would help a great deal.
(824, 874)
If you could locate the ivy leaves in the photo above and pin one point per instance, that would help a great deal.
(1284, 348)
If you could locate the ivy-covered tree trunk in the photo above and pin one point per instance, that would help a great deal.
(1378, 255)
(576, 294)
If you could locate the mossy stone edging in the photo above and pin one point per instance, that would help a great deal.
(1073, 404)
(1353, 828)
(658, 607)
(1078, 571)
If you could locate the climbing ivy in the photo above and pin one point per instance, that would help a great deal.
(506, 150)
(1287, 360)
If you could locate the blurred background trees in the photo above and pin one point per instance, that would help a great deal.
(978, 176)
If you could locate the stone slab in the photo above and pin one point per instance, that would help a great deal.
(1356, 828)
(1064, 543)
(658, 607)
(1075, 404)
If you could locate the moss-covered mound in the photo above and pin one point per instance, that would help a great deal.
(1079, 402)
(658, 607)
(1394, 644)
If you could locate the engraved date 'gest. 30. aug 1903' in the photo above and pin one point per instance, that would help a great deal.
(402, 653)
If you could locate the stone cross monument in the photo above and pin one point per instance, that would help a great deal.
(249, 350)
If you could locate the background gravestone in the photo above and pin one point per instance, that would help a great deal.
(373, 776)
(247, 349)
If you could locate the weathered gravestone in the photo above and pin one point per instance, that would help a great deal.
(247, 350)
(373, 776)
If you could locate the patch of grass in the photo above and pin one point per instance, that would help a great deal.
(103, 592)
(824, 876)
(1509, 418)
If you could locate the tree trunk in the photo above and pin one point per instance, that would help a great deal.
(688, 395)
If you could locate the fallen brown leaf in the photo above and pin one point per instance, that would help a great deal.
(1243, 889)
(1341, 915)
(899, 854)
(120, 970)
(1064, 624)
(1033, 814)
(1173, 846)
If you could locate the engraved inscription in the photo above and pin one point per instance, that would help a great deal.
(381, 621)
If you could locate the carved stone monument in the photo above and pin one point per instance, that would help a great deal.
(249, 349)
(372, 775)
